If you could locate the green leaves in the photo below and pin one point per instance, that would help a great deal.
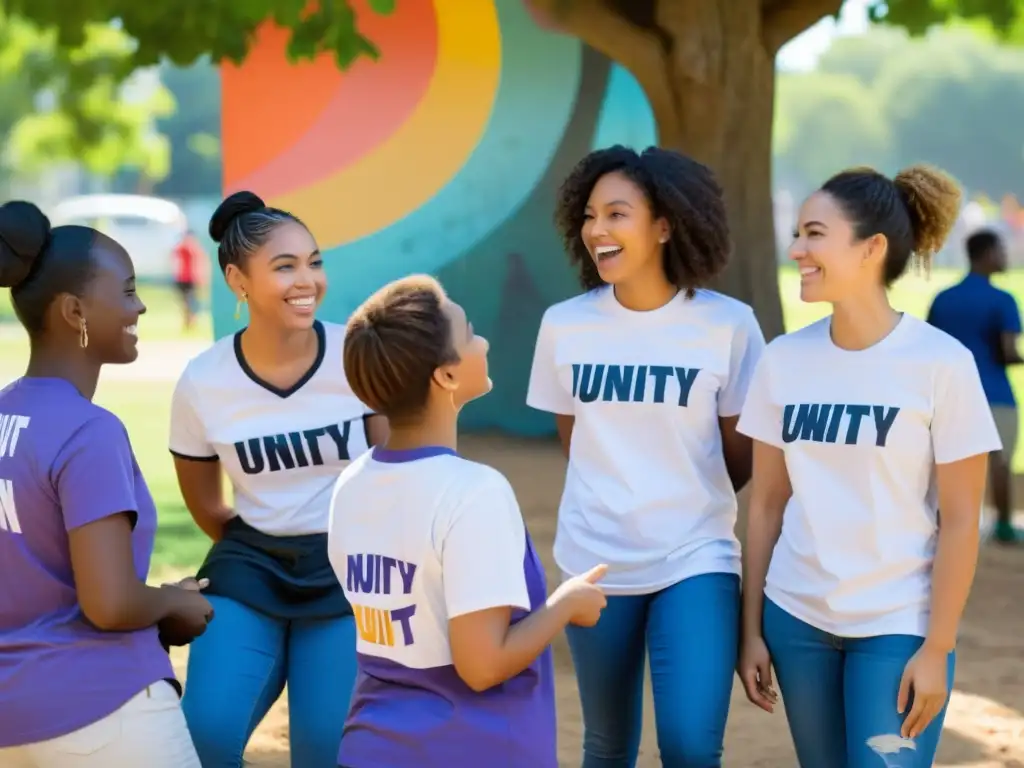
(1005, 17)
(184, 30)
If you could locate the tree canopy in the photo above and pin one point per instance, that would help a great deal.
(72, 104)
(949, 97)
(186, 30)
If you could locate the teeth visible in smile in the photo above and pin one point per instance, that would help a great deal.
(306, 301)
(132, 330)
(809, 270)
(607, 250)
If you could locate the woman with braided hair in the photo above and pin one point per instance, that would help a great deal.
(271, 408)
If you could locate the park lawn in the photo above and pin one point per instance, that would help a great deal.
(162, 321)
(144, 406)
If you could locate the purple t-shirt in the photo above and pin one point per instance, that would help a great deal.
(64, 462)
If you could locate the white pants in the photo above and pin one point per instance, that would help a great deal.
(149, 731)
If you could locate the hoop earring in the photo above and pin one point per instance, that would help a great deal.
(451, 398)
(238, 306)
(83, 335)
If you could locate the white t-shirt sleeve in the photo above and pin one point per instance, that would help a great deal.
(187, 434)
(545, 392)
(747, 346)
(761, 418)
(962, 423)
(483, 552)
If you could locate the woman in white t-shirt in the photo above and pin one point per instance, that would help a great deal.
(454, 617)
(865, 425)
(645, 373)
(269, 407)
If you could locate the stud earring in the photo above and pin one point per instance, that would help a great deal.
(83, 335)
(238, 306)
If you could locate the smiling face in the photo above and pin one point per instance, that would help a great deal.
(620, 232)
(833, 263)
(284, 279)
(111, 307)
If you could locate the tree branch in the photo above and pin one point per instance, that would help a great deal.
(783, 20)
(600, 26)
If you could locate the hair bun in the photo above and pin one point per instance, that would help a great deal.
(933, 200)
(24, 233)
(231, 207)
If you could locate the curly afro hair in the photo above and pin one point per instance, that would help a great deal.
(679, 189)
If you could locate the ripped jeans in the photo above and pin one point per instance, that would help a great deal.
(840, 695)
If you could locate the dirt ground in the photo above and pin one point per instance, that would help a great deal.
(985, 724)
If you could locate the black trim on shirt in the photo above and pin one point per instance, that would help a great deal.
(194, 458)
(321, 337)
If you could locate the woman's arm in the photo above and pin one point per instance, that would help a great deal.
(961, 487)
(770, 492)
(110, 594)
(961, 484)
(738, 450)
(564, 425)
(202, 488)
(487, 651)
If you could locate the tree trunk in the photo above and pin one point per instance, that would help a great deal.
(708, 69)
(713, 99)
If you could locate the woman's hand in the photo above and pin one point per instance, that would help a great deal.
(924, 678)
(176, 631)
(755, 670)
(191, 583)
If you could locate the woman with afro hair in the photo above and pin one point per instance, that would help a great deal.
(646, 372)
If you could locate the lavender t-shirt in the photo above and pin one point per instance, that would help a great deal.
(64, 463)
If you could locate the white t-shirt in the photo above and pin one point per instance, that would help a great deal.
(646, 489)
(862, 432)
(418, 538)
(281, 449)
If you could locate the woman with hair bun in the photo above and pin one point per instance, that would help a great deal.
(865, 425)
(271, 408)
(84, 681)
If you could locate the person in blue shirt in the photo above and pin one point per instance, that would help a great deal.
(986, 320)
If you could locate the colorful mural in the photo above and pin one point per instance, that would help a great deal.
(443, 157)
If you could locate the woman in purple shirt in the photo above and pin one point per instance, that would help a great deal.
(84, 680)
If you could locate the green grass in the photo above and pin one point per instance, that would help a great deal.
(162, 320)
(144, 406)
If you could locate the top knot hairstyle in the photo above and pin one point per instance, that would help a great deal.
(679, 189)
(393, 344)
(241, 224)
(39, 263)
(915, 210)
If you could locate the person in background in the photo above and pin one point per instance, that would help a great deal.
(189, 261)
(645, 373)
(986, 320)
(84, 681)
(866, 424)
(269, 407)
(455, 621)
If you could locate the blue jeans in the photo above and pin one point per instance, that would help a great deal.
(840, 695)
(238, 668)
(691, 631)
